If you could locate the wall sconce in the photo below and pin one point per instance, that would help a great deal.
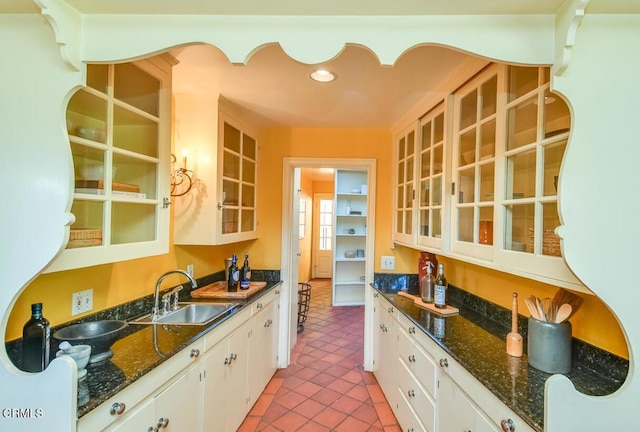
(182, 179)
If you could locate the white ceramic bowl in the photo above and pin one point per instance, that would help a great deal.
(79, 353)
(94, 172)
(90, 133)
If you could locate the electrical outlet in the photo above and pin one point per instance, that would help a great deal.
(190, 270)
(81, 301)
(388, 263)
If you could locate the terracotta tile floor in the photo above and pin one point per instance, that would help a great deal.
(325, 388)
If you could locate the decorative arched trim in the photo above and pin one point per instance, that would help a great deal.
(568, 20)
(66, 23)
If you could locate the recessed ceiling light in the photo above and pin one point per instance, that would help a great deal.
(322, 75)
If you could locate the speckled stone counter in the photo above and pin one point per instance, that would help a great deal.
(141, 349)
(477, 342)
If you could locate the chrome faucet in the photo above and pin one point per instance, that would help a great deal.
(156, 301)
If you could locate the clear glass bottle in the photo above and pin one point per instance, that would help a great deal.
(36, 337)
(234, 275)
(440, 289)
(427, 285)
(245, 273)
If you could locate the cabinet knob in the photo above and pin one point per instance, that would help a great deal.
(163, 423)
(233, 356)
(390, 310)
(444, 362)
(412, 330)
(268, 322)
(259, 306)
(508, 425)
(384, 327)
(117, 408)
(412, 358)
(375, 295)
(411, 393)
(194, 353)
(277, 292)
(152, 429)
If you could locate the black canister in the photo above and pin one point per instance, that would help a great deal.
(36, 335)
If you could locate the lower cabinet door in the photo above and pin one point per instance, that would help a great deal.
(178, 407)
(456, 412)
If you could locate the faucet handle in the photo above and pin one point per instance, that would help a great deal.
(165, 304)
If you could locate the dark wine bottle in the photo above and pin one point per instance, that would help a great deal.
(245, 273)
(234, 275)
(36, 336)
(440, 290)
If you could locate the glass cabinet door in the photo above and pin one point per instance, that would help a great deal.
(404, 222)
(114, 130)
(475, 118)
(431, 178)
(537, 131)
(119, 139)
(239, 165)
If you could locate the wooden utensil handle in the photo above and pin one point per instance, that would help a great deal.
(514, 313)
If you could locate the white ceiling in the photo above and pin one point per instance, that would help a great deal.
(279, 88)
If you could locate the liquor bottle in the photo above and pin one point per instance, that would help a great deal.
(234, 275)
(36, 336)
(245, 273)
(440, 289)
(427, 285)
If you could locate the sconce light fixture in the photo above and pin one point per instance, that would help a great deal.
(182, 179)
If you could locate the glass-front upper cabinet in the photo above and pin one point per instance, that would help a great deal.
(475, 130)
(405, 145)
(118, 126)
(237, 175)
(431, 179)
(537, 131)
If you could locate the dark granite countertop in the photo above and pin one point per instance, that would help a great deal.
(478, 344)
(141, 349)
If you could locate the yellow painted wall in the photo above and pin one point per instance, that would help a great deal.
(117, 283)
(593, 323)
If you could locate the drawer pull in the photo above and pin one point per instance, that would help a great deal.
(277, 292)
(375, 295)
(163, 423)
(194, 353)
(412, 330)
(390, 310)
(411, 393)
(259, 306)
(152, 429)
(117, 408)
(508, 425)
(268, 322)
(444, 362)
(384, 328)
(412, 358)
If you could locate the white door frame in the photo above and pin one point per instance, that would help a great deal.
(315, 243)
(288, 261)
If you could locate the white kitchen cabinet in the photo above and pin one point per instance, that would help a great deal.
(222, 206)
(387, 354)
(486, 165)
(173, 409)
(405, 168)
(426, 389)
(119, 134)
(350, 239)
(263, 349)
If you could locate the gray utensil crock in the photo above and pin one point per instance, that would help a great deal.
(549, 346)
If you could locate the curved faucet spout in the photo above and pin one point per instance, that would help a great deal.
(156, 299)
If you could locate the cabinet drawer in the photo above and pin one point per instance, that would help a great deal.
(421, 365)
(417, 397)
(407, 417)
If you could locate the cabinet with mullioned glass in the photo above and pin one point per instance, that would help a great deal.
(404, 220)
(119, 134)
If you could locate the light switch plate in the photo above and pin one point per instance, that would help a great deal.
(388, 263)
(81, 301)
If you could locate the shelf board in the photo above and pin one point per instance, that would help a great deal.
(353, 282)
(342, 259)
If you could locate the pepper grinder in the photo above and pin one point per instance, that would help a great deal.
(514, 339)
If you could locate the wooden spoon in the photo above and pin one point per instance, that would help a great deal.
(533, 309)
(563, 313)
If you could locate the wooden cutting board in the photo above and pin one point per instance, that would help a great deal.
(219, 290)
(449, 310)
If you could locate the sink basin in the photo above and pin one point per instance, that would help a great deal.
(189, 314)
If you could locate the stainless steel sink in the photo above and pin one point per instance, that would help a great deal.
(189, 314)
